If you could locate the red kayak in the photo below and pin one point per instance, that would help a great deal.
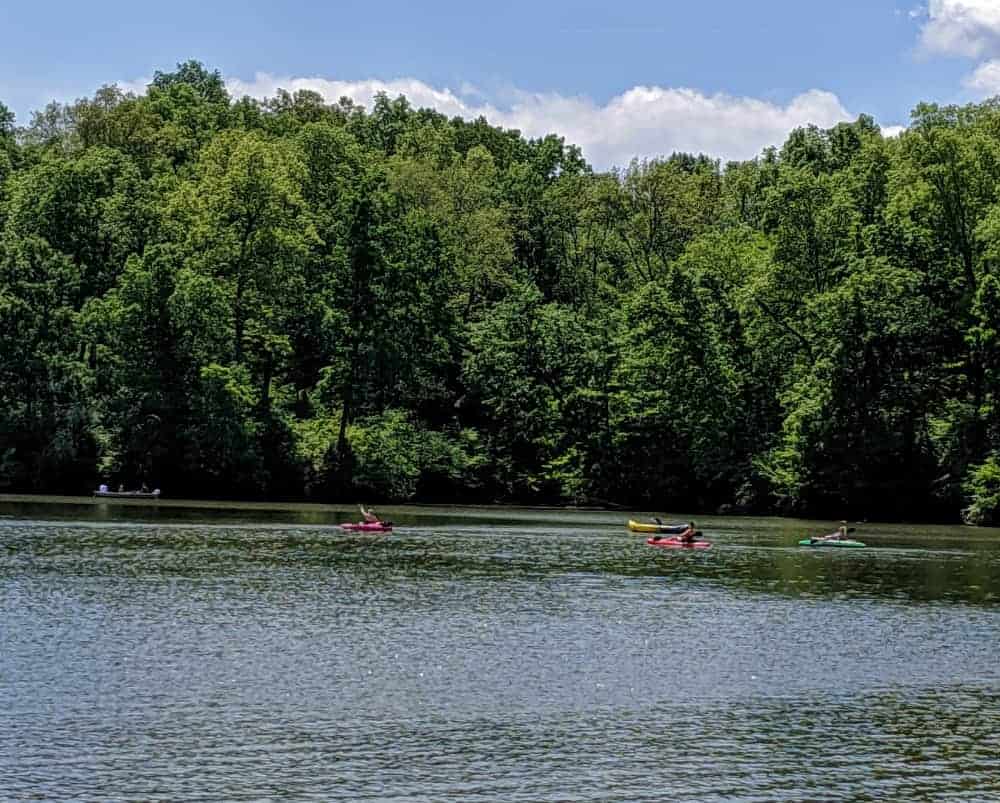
(369, 527)
(677, 543)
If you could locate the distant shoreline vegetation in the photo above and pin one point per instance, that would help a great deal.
(292, 299)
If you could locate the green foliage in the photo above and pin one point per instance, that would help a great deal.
(224, 434)
(8, 146)
(678, 405)
(532, 370)
(296, 298)
(392, 456)
(982, 488)
(209, 86)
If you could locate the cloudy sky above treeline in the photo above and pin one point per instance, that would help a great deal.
(635, 78)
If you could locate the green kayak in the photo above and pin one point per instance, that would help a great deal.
(842, 542)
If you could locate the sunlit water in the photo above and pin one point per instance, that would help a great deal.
(157, 653)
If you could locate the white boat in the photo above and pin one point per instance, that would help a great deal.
(127, 494)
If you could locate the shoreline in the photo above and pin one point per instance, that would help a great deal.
(343, 512)
(349, 511)
(89, 501)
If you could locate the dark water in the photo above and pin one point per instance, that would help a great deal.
(169, 654)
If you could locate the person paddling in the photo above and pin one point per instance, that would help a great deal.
(689, 534)
(839, 535)
(369, 515)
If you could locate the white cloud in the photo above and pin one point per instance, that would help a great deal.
(644, 121)
(892, 130)
(136, 87)
(962, 27)
(986, 78)
(968, 28)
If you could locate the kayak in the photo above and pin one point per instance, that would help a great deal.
(652, 527)
(838, 542)
(677, 543)
(368, 527)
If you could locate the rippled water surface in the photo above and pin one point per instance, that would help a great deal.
(199, 654)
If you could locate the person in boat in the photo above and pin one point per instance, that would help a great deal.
(121, 487)
(839, 535)
(102, 488)
(369, 516)
(689, 534)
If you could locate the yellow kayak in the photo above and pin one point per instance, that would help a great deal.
(651, 527)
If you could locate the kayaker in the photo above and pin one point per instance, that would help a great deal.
(689, 534)
(839, 535)
(369, 515)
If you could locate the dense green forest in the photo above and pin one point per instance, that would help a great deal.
(294, 299)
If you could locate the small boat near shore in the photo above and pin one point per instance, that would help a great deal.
(127, 494)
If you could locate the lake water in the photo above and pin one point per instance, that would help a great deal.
(235, 654)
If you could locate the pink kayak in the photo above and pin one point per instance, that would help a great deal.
(369, 527)
(677, 543)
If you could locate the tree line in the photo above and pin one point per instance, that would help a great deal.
(290, 298)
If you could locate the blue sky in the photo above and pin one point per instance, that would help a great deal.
(728, 77)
